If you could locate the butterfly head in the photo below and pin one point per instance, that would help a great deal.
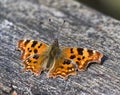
(55, 42)
(55, 47)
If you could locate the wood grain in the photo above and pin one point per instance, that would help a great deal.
(84, 27)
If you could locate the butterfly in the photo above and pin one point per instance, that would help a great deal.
(38, 56)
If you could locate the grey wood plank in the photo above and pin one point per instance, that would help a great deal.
(84, 27)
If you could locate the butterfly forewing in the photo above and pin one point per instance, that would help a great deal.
(30, 47)
(82, 56)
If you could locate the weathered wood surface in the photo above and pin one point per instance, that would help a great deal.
(85, 28)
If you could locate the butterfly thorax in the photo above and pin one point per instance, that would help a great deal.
(54, 53)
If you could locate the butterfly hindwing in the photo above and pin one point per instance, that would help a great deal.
(34, 63)
(63, 68)
(82, 56)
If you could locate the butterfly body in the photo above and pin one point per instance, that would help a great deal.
(52, 53)
(38, 56)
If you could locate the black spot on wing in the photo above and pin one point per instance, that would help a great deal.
(35, 62)
(40, 45)
(26, 42)
(80, 51)
(29, 50)
(72, 56)
(83, 57)
(35, 50)
(28, 55)
(77, 62)
(61, 67)
(34, 43)
(71, 50)
(69, 68)
(35, 56)
(66, 62)
(90, 51)
(78, 58)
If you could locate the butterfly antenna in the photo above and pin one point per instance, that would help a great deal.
(51, 27)
(59, 30)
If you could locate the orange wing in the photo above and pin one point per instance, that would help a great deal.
(32, 55)
(29, 47)
(35, 63)
(63, 68)
(82, 56)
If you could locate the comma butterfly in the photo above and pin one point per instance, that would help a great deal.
(38, 56)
